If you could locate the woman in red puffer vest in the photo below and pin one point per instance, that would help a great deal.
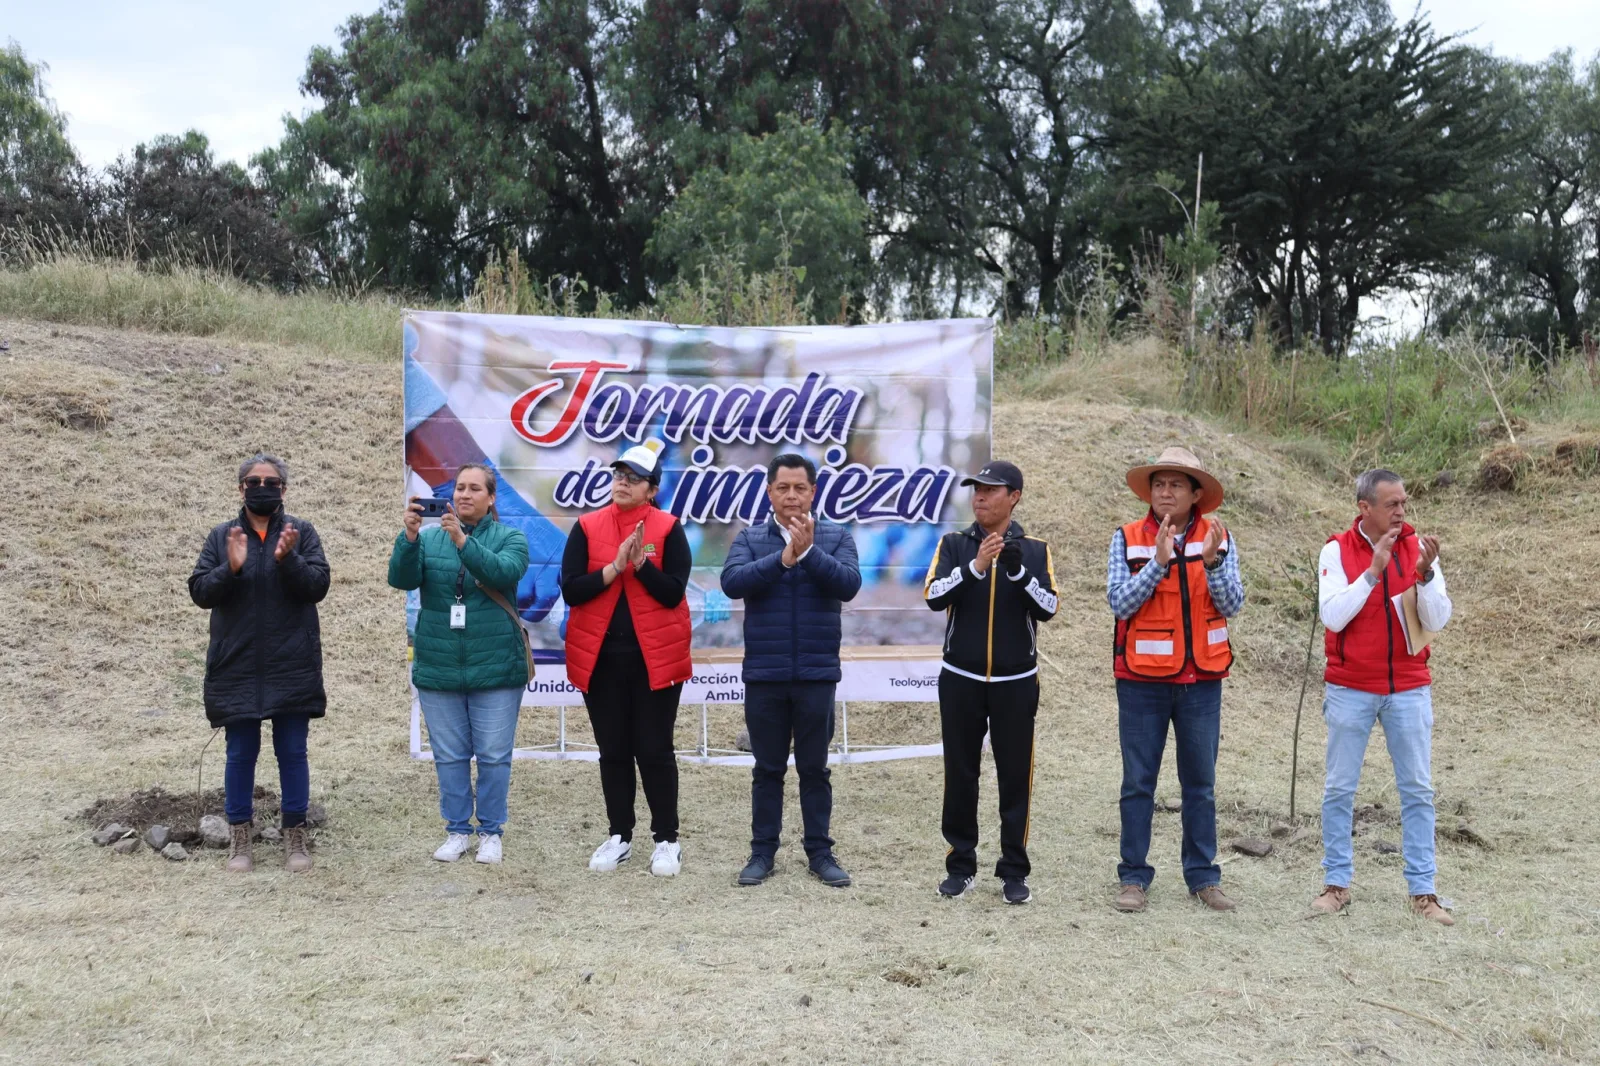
(623, 575)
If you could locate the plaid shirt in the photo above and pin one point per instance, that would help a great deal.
(1126, 591)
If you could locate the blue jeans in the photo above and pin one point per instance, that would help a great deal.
(294, 772)
(1144, 708)
(464, 725)
(1407, 719)
(774, 711)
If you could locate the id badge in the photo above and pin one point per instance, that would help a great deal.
(458, 616)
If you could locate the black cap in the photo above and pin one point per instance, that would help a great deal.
(998, 472)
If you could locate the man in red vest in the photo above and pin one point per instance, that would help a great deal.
(1172, 581)
(1373, 675)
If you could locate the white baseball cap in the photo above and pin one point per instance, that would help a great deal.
(643, 459)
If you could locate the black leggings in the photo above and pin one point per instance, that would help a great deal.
(633, 724)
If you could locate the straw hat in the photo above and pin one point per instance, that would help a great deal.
(1184, 462)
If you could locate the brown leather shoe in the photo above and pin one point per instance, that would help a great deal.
(1130, 899)
(240, 861)
(1428, 907)
(1334, 898)
(297, 860)
(1213, 896)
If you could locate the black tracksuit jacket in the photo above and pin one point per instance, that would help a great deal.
(991, 633)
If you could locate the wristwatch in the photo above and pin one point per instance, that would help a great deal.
(1426, 577)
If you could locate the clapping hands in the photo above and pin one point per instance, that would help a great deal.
(1165, 541)
(1216, 537)
(631, 551)
(286, 542)
(802, 531)
(1428, 555)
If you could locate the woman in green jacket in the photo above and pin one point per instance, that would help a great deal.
(469, 665)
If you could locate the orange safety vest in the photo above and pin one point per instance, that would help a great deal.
(663, 632)
(1178, 624)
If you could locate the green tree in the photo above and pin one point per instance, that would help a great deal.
(43, 188)
(784, 199)
(1049, 72)
(170, 201)
(1349, 153)
(451, 128)
(1538, 275)
(695, 75)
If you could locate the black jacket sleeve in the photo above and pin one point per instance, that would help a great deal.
(1039, 583)
(948, 581)
(578, 583)
(305, 569)
(666, 583)
(213, 580)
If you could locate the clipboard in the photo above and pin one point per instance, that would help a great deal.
(1418, 637)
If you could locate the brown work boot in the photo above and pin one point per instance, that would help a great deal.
(1334, 898)
(1428, 907)
(295, 857)
(240, 860)
(1130, 898)
(1212, 896)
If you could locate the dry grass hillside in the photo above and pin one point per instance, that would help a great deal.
(116, 454)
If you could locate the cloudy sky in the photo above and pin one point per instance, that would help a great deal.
(126, 71)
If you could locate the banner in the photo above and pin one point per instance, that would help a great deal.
(892, 416)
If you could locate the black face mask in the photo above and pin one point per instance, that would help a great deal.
(264, 500)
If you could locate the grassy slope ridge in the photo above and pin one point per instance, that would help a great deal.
(122, 445)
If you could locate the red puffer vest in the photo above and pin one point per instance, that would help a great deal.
(663, 632)
(1370, 653)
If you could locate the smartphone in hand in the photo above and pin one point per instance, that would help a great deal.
(433, 507)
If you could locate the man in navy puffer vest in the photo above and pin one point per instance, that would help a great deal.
(792, 572)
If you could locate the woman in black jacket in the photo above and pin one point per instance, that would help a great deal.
(261, 575)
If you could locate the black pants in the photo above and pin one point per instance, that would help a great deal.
(1005, 709)
(775, 711)
(631, 725)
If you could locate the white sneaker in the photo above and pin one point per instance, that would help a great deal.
(667, 860)
(455, 845)
(608, 855)
(489, 848)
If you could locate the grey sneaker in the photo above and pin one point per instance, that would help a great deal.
(827, 870)
(757, 870)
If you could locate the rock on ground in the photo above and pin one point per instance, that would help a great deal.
(1253, 846)
(158, 837)
(175, 852)
(109, 834)
(214, 831)
(316, 814)
(126, 846)
(271, 833)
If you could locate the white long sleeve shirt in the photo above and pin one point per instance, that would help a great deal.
(1339, 600)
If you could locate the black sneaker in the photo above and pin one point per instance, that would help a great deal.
(955, 885)
(757, 870)
(829, 872)
(1016, 890)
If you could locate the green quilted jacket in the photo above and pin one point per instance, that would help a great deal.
(488, 652)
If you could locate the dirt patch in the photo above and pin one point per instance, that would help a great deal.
(1502, 467)
(1577, 455)
(156, 806)
(69, 398)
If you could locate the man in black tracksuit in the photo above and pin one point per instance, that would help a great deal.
(996, 585)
